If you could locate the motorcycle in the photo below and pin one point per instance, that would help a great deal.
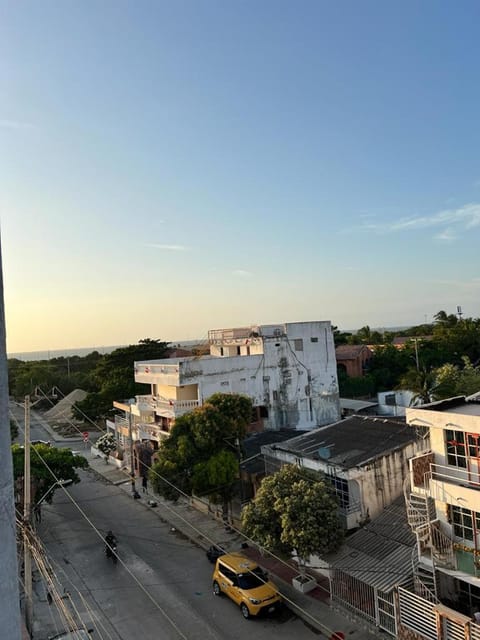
(111, 551)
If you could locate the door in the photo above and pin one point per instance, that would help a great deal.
(473, 458)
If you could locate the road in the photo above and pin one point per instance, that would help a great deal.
(161, 588)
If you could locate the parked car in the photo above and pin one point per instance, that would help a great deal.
(247, 584)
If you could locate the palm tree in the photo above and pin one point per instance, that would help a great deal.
(421, 383)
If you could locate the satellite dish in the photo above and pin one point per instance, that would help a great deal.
(324, 452)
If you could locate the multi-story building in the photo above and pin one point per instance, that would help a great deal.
(288, 370)
(443, 503)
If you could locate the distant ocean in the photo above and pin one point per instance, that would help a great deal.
(80, 351)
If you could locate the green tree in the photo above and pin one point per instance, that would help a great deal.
(295, 510)
(46, 464)
(422, 383)
(13, 429)
(113, 377)
(201, 454)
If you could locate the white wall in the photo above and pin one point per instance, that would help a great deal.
(298, 386)
(375, 485)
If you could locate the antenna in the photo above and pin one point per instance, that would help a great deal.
(459, 312)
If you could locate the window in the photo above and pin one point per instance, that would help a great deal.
(314, 339)
(390, 400)
(221, 351)
(228, 573)
(340, 486)
(238, 351)
(298, 344)
(224, 384)
(463, 521)
(473, 441)
(455, 446)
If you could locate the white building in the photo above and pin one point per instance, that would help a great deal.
(444, 502)
(288, 370)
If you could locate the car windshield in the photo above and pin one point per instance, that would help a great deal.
(252, 580)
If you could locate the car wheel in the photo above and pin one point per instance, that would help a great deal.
(216, 589)
(245, 611)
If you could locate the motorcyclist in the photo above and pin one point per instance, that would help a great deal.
(110, 543)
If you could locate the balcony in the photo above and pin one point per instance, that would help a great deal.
(231, 336)
(166, 407)
(454, 485)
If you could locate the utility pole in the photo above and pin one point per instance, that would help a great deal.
(416, 353)
(27, 556)
(9, 595)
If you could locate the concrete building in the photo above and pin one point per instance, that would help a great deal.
(444, 503)
(288, 370)
(353, 359)
(366, 459)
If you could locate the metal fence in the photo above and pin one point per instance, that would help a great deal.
(425, 617)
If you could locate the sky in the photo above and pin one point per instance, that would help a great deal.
(167, 168)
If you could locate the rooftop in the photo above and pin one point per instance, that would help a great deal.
(352, 442)
(380, 553)
(460, 405)
(350, 351)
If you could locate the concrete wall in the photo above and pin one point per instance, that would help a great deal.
(372, 486)
(293, 375)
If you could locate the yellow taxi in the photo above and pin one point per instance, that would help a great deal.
(247, 584)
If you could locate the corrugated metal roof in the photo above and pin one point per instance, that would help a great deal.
(380, 554)
(356, 405)
(396, 568)
(352, 442)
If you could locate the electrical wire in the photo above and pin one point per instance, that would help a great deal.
(239, 532)
(100, 535)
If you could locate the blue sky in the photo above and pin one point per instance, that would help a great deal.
(171, 167)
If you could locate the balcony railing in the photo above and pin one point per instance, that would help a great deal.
(231, 336)
(161, 405)
(455, 475)
(156, 369)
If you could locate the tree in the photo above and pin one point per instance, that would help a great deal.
(13, 430)
(113, 377)
(46, 464)
(421, 383)
(295, 510)
(201, 454)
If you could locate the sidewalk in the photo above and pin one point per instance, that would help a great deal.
(204, 530)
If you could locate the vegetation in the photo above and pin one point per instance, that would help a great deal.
(113, 377)
(47, 463)
(439, 361)
(106, 443)
(201, 455)
(13, 430)
(295, 510)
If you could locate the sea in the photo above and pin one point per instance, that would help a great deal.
(28, 356)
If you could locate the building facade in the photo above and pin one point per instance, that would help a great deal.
(444, 503)
(366, 459)
(287, 370)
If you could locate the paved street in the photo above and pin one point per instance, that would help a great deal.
(171, 569)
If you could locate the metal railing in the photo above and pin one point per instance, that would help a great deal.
(156, 369)
(167, 405)
(455, 475)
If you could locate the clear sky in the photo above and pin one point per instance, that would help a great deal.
(172, 167)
